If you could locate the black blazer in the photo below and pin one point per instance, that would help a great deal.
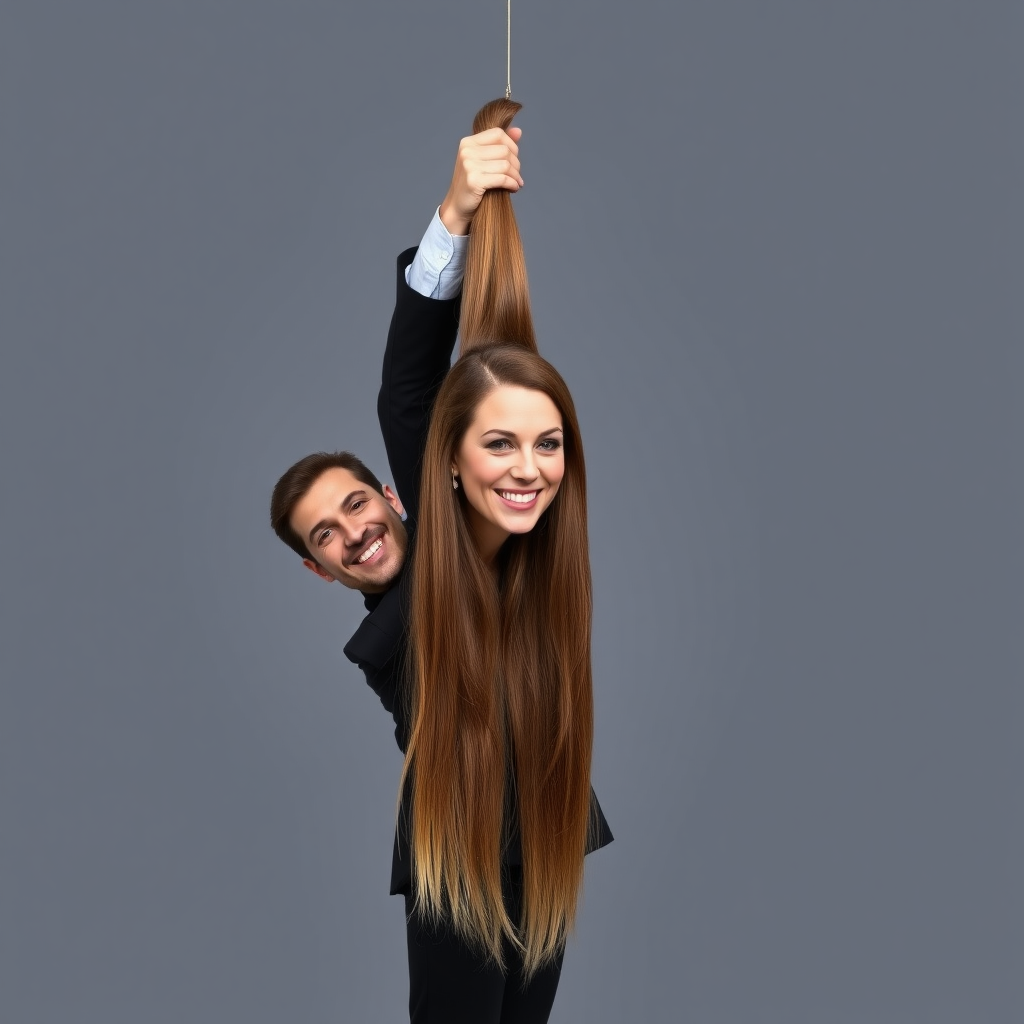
(417, 357)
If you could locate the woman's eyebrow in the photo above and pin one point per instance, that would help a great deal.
(511, 434)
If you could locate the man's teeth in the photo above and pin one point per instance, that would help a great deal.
(371, 550)
(521, 499)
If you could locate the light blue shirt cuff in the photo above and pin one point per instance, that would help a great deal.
(437, 268)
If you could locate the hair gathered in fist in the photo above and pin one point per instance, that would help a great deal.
(495, 290)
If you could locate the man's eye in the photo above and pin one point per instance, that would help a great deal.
(550, 444)
(323, 538)
(356, 505)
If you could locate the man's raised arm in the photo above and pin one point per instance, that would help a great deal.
(424, 324)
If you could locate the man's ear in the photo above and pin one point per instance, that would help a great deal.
(393, 500)
(318, 569)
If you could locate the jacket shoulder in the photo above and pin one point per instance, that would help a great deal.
(381, 634)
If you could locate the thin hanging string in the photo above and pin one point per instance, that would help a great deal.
(508, 49)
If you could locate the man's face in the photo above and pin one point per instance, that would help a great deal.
(355, 535)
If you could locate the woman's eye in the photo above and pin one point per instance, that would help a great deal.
(499, 445)
(550, 444)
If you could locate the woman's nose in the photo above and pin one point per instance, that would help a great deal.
(525, 467)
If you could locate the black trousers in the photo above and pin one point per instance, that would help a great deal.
(449, 983)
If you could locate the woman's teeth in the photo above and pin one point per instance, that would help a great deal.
(371, 550)
(522, 499)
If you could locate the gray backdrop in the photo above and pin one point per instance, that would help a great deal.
(776, 251)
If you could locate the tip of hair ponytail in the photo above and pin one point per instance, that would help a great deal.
(496, 114)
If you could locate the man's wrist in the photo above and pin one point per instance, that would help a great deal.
(436, 270)
(454, 222)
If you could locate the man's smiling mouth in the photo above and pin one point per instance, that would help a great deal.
(370, 551)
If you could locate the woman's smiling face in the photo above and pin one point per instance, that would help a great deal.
(510, 464)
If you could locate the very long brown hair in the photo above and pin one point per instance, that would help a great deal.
(502, 696)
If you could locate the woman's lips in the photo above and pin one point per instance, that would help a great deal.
(517, 503)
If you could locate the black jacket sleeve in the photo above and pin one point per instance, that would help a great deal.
(417, 357)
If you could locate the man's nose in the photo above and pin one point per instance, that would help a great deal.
(353, 533)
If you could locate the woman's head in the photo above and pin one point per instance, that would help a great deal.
(504, 429)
